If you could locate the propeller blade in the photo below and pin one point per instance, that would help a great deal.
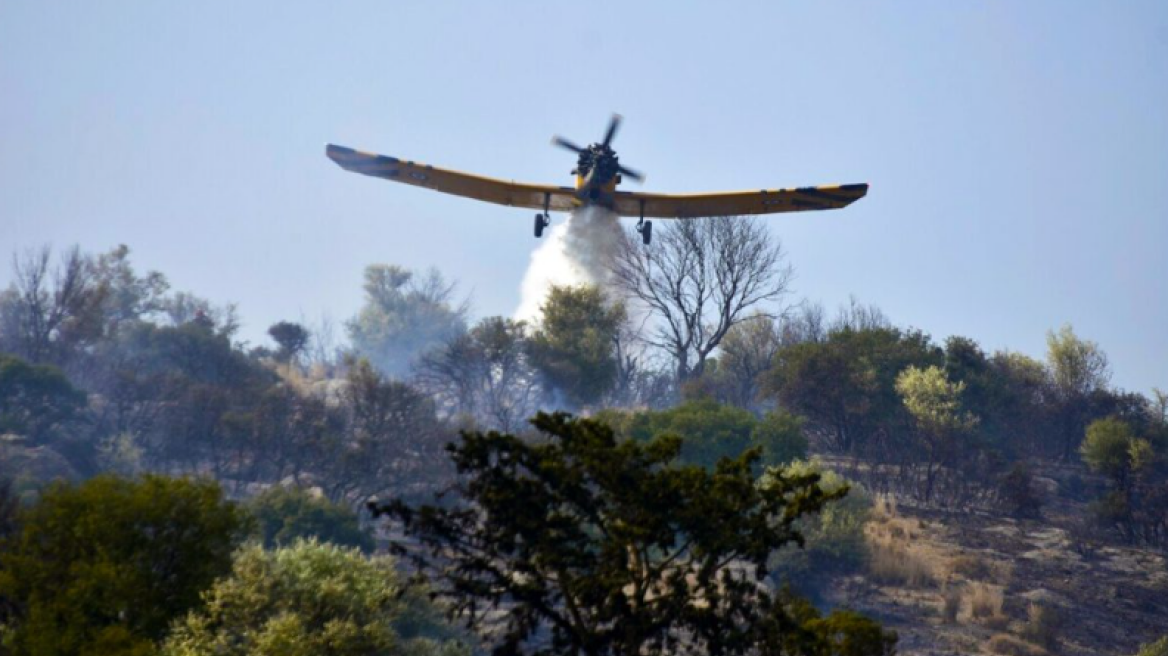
(612, 128)
(564, 143)
(630, 173)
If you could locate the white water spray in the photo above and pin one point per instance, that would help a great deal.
(579, 251)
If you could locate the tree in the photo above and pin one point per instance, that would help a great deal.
(744, 354)
(47, 314)
(701, 278)
(290, 337)
(845, 384)
(942, 423)
(284, 515)
(36, 401)
(127, 298)
(596, 546)
(404, 316)
(1078, 369)
(485, 373)
(1108, 448)
(1023, 407)
(199, 389)
(574, 345)
(710, 431)
(1137, 505)
(389, 441)
(105, 566)
(306, 599)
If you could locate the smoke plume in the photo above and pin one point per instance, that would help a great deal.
(576, 252)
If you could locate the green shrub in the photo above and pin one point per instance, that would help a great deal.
(284, 515)
(834, 537)
(1158, 648)
(307, 599)
(711, 431)
(105, 566)
(780, 435)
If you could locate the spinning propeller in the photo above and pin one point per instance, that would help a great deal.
(602, 149)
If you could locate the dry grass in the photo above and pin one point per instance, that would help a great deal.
(972, 567)
(893, 560)
(1008, 645)
(1042, 625)
(950, 603)
(985, 604)
(894, 556)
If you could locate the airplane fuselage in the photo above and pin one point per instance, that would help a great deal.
(597, 175)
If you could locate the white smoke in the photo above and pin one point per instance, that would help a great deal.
(577, 252)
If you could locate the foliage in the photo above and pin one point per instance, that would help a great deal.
(291, 339)
(842, 633)
(1017, 493)
(195, 390)
(48, 313)
(780, 436)
(574, 344)
(833, 537)
(1108, 447)
(1079, 369)
(112, 562)
(306, 599)
(1078, 366)
(389, 439)
(710, 431)
(404, 316)
(605, 546)
(1137, 504)
(934, 401)
(485, 373)
(745, 354)
(1157, 648)
(285, 514)
(845, 385)
(37, 401)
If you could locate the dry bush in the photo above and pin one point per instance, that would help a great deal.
(1008, 645)
(973, 568)
(1042, 625)
(976, 568)
(950, 603)
(884, 508)
(893, 558)
(985, 604)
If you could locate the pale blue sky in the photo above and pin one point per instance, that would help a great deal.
(1017, 151)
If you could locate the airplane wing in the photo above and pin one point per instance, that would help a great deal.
(763, 201)
(491, 190)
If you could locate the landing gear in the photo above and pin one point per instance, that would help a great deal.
(646, 229)
(543, 220)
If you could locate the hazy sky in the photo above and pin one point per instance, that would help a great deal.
(1017, 151)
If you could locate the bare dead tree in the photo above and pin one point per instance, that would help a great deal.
(698, 279)
(47, 311)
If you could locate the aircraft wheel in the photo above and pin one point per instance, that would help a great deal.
(540, 224)
(647, 232)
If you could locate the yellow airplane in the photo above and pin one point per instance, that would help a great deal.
(598, 172)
